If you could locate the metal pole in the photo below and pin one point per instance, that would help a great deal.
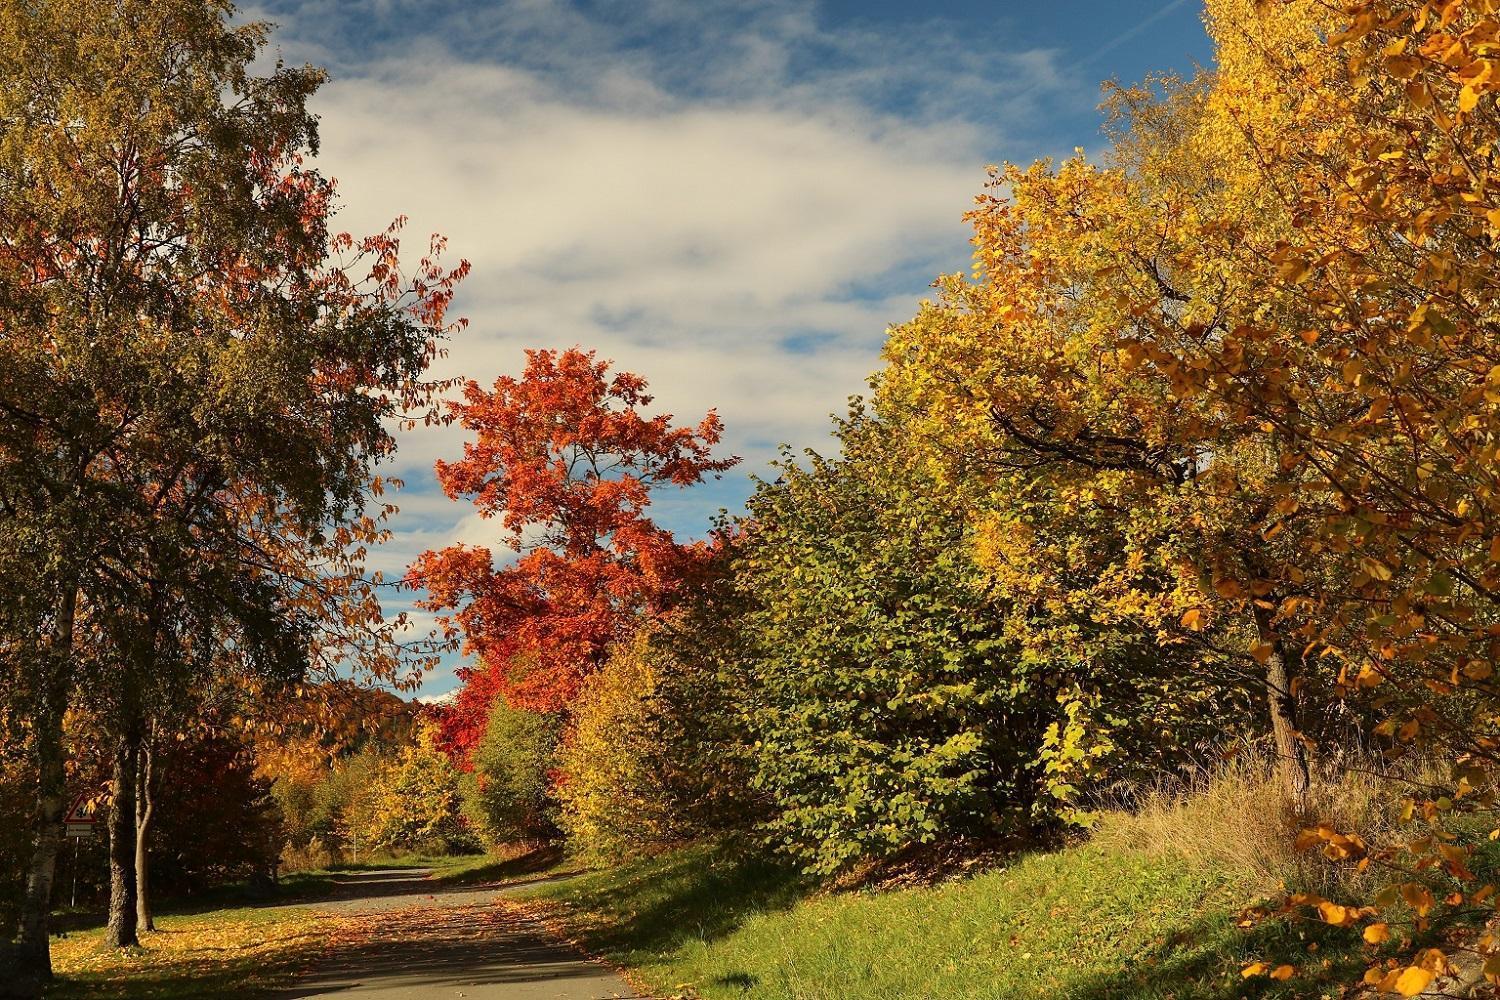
(75, 873)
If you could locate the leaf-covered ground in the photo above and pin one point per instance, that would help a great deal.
(1079, 924)
(219, 953)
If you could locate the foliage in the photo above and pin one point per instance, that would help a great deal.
(16, 799)
(1261, 336)
(614, 799)
(883, 702)
(201, 374)
(564, 457)
(508, 794)
(219, 822)
(895, 693)
(417, 804)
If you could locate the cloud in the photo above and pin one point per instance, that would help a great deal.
(728, 198)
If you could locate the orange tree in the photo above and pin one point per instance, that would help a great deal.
(566, 460)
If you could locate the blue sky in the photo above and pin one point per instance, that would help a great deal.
(734, 198)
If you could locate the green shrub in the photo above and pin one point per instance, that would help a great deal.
(508, 795)
(887, 708)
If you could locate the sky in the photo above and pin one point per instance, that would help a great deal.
(732, 198)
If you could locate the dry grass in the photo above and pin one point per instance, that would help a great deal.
(1239, 820)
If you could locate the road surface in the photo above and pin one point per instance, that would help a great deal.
(420, 942)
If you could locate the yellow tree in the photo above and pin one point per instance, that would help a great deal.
(1263, 335)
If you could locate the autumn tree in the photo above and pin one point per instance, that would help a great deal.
(567, 462)
(1263, 335)
(195, 360)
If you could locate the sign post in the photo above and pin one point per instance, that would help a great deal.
(80, 823)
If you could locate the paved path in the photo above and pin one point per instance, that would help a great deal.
(426, 943)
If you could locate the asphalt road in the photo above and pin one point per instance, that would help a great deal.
(423, 944)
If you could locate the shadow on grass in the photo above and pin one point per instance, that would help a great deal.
(536, 861)
(699, 894)
(189, 981)
(1203, 961)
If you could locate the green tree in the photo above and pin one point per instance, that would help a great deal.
(509, 792)
(195, 361)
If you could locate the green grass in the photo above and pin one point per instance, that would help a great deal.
(1079, 924)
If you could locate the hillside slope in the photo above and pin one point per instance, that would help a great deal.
(1084, 923)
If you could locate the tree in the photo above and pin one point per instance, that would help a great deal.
(508, 794)
(1263, 336)
(417, 803)
(564, 457)
(896, 693)
(194, 360)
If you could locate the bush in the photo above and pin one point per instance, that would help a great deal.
(508, 795)
(17, 802)
(887, 706)
(613, 798)
(416, 803)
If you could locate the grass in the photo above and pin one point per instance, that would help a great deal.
(1150, 908)
(233, 952)
(1085, 923)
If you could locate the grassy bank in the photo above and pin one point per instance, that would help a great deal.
(1086, 923)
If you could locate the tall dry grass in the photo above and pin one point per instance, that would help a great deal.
(1238, 819)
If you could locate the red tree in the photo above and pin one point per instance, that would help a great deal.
(567, 461)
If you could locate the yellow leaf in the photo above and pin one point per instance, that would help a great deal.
(1413, 981)
(1333, 913)
(1418, 898)
(1282, 972)
(1253, 969)
(1378, 933)
(1468, 100)
(1193, 618)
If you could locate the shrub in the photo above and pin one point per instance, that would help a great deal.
(613, 797)
(507, 797)
(887, 706)
(417, 805)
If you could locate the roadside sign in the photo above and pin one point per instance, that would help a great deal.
(81, 818)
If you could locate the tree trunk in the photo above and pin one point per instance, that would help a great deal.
(1293, 764)
(121, 932)
(145, 808)
(33, 957)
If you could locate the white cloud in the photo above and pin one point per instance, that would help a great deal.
(735, 228)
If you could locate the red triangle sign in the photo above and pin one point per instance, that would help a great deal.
(81, 811)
